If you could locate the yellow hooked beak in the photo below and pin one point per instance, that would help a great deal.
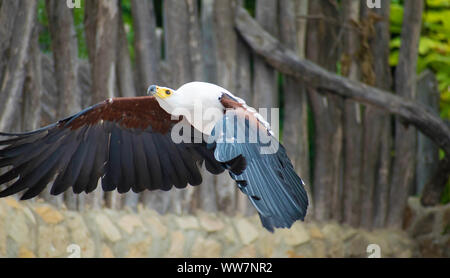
(160, 92)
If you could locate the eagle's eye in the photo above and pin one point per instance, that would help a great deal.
(168, 92)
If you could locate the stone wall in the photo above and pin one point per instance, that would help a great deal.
(429, 227)
(36, 229)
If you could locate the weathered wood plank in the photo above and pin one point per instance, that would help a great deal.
(427, 151)
(405, 137)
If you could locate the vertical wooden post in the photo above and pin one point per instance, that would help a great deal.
(265, 80)
(16, 44)
(145, 44)
(327, 114)
(405, 136)
(225, 53)
(350, 67)
(295, 131)
(376, 156)
(427, 151)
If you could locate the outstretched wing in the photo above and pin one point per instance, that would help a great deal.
(125, 141)
(269, 179)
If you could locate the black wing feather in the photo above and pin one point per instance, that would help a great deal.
(101, 158)
(127, 161)
(34, 190)
(153, 164)
(180, 173)
(35, 169)
(140, 164)
(187, 153)
(169, 176)
(211, 164)
(113, 166)
(87, 165)
(70, 164)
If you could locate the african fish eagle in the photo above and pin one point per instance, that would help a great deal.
(134, 143)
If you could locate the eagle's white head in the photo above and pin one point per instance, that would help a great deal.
(198, 102)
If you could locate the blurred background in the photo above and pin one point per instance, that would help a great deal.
(360, 164)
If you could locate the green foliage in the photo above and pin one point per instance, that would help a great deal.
(78, 19)
(446, 230)
(44, 34)
(434, 51)
(158, 6)
(281, 100)
(250, 6)
(128, 25)
(434, 46)
(446, 194)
